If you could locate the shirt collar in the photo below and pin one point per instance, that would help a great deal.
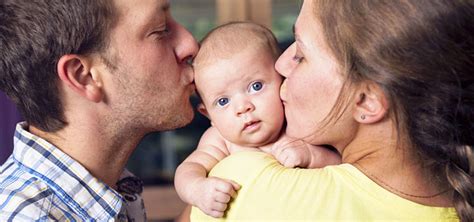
(72, 183)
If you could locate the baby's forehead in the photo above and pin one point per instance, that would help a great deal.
(228, 40)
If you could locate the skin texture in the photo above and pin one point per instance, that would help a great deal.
(240, 96)
(365, 133)
(151, 82)
(141, 83)
(312, 84)
(251, 95)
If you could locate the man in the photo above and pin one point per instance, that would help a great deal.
(91, 78)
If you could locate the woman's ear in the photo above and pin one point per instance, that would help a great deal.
(371, 104)
(76, 73)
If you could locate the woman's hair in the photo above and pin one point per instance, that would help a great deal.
(421, 53)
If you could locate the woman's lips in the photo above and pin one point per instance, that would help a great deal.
(283, 91)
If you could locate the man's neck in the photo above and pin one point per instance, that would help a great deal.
(102, 152)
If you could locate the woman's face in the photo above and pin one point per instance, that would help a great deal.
(312, 82)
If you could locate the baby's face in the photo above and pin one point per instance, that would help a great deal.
(242, 97)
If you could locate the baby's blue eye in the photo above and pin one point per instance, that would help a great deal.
(222, 101)
(256, 86)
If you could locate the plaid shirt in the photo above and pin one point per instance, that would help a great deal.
(39, 182)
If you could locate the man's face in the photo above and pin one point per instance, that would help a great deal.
(149, 81)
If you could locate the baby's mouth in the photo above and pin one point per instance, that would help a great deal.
(252, 125)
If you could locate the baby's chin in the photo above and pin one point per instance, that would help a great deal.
(260, 141)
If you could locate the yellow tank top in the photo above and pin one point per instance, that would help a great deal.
(271, 192)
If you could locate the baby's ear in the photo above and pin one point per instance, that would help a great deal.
(202, 109)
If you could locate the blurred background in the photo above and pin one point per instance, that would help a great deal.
(158, 155)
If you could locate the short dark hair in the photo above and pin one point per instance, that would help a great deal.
(33, 37)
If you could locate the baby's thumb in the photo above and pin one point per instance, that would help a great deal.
(235, 185)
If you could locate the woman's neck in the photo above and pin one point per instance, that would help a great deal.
(381, 155)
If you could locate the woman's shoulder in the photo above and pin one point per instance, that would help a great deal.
(271, 191)
(246, 167)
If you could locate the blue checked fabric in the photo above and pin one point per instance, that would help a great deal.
(39, 182)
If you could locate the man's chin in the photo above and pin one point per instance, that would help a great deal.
(184, 118)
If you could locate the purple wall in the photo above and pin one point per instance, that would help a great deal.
(9, 116)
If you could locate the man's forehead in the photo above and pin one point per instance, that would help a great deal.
(158, 6)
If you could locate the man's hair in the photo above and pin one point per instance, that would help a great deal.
(34, 34)
(231, 38)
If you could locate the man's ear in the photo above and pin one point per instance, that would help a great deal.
(371, 104)
(75, 72)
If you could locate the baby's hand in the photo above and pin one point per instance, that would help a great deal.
(214, 194)
(292, 154)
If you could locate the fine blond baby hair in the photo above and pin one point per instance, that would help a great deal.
(229, 39)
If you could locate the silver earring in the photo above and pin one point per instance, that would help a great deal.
(362, 116)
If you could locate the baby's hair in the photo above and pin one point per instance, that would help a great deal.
(231, 38)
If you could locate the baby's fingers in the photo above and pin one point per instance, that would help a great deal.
(222, 198)
(216, 206)
(216, 214)
(234, 184)
(289, 159)
(217, 210)
(229, 187)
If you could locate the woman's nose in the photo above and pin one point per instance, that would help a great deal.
(284, 64)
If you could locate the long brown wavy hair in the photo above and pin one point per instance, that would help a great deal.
(420, 52)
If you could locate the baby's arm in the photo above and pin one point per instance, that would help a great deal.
(210, 194)
(297, 153)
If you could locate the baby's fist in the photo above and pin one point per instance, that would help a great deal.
(294, 154)
(214, 195)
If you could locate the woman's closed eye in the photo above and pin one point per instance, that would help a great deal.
(255, 87)
(297, 59)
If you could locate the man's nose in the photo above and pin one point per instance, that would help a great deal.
(186, 46)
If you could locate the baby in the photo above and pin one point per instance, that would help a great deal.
(239, 89)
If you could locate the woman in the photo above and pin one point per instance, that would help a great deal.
(390, 85)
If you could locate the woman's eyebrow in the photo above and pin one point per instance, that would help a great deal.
(298, 39)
